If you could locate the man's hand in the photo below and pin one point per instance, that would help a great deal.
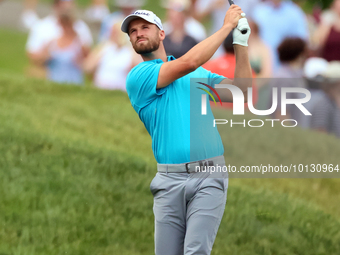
(239, 38)
(232, 16)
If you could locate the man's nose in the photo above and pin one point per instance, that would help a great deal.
(139, 32)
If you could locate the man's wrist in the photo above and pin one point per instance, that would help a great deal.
(227, 28)
(241, 51)
(239, 47)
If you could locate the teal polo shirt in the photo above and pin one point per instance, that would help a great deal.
(172, 115)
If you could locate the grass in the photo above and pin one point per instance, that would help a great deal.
(12, 54)
(284, 146)
(76, 164)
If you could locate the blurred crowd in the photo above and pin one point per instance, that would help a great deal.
(288, 47)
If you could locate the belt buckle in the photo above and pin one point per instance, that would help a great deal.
(187, 168)
(201, 163)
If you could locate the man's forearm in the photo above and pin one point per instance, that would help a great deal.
(243, 73)
(243, 68)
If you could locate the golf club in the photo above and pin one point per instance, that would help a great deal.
(244, 31)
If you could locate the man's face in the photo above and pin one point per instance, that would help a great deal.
(144, 36)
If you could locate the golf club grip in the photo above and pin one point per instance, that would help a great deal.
(231, 2)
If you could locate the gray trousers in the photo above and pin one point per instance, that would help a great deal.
(188, 209)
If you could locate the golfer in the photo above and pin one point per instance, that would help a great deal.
(188, 205)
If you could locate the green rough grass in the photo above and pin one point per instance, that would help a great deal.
(76, 164)
(12, 54)
(284, 146)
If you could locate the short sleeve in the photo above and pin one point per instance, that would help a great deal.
(141, 84)
(213, 78)
(35, 40)
(84, 33)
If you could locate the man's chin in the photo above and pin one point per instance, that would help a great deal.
(146, 49)
(143, 50)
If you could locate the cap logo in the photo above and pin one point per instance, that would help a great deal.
(156, 21)
(142, 13)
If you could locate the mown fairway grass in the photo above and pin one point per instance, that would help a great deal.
(75, 169)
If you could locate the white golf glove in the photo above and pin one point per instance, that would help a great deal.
(239, 38)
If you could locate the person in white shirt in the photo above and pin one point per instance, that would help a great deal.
(216, 9)
(48, 29)
(97, 11)
(124, 9)
(192, 26)
(29, 15)
(111, 61)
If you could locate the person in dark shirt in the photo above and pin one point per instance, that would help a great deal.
(292, 54)
(326, 113)
(177, 43)
(328, 35)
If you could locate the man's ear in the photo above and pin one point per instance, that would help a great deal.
(161, 35)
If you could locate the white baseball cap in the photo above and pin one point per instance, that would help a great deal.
(149, 16)
(333, 71)
(314, 67)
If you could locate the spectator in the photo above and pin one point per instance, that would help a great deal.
(313, 69)
(29, 17)
(64, 55)
(111, 61)
(216, 9)
(261, 62)
(192, 27)
(125, 8)
(327, 36)
(48, 29)
(248, 6)
(178, 42)
(259, 53)
(278, 20)
(95, 14)
(292, 53)
(329, 16)
(326, 113)
(97, 11)
(226, 64)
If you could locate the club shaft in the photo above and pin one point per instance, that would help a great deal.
(231, 2)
